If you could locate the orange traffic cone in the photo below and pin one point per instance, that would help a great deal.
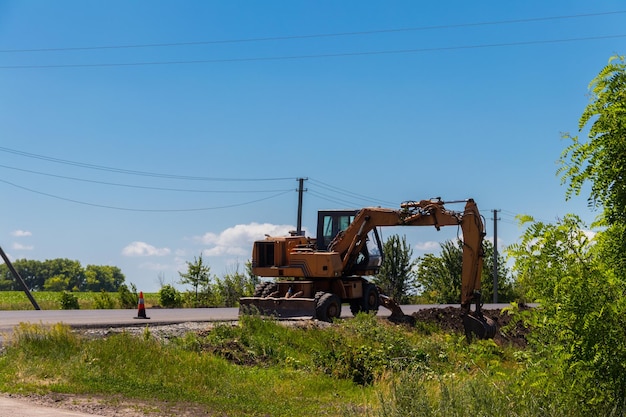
(141, 309)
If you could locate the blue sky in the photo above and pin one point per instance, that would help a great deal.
(141, 134)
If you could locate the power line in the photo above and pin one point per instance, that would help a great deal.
(319, 35)
(334, 200)
(136, 186)
(345, 192)
(139, 209)
(132, 172)
(315, 56)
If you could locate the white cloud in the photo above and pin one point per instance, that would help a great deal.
(429, 246)
(21, 233)
(237, 240)
(19, 246)
(144, 249)
(155, 266)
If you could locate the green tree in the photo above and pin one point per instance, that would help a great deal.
(198, 276)
(601, 160)
(231, 287)
(440, 276)
(397, 276)
(578, 330)
(32, 272)
(252, 281)
(57, 283)
(70, 269)
(103, 277)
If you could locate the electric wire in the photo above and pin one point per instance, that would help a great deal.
(133, 172)
(319, 35)
(141, 209)
(315, 56)
(137, 186)
(334, 200)
(345, 192)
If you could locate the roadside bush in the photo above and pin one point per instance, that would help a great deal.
(128, 298)
(69, 301)
(104, 301)
(364, 349)
(169, 297)
(578, 332)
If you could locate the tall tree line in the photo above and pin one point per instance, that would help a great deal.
(61, 275)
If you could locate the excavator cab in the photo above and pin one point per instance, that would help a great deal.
(332, 222)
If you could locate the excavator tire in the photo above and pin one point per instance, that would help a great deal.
(328, 307)
(370, 299)
(369, 302)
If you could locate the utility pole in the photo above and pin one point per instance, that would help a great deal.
(495, 255)
(19, 279)
(301, 190)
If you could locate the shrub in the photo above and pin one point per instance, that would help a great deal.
(104, 301)
(128, 298)
(69, 301)
(169, 297)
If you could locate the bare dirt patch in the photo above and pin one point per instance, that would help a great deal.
(114, 406)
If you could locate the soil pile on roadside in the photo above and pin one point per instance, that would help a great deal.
(449, 319)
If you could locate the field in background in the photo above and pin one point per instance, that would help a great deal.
(51, 300)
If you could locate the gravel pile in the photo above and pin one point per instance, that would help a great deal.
(162, 332)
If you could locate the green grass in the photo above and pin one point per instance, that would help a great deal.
(50, 300)
(57, 360)
(362, 366)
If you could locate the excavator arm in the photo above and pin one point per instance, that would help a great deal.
(351, 242)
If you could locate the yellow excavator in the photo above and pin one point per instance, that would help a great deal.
(314, 277)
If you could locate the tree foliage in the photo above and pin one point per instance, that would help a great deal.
(198, 276)
(61, 275)
(440, 276)
(578, 330)
(397, 276)
(211, 291)
(601, 160)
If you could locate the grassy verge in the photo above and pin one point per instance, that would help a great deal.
(362, 366)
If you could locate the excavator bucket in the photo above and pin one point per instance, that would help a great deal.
(278, 307)
(476, 324)
(397, 315)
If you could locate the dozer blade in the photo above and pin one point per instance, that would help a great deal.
(278, 307)
(480, 326)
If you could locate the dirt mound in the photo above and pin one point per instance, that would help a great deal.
(449, 319)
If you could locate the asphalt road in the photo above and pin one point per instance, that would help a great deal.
(116, 318)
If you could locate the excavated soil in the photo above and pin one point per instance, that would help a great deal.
(449, 319)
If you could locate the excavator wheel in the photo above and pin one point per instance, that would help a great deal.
(368, 303)
(328, 307)
(371, 299)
